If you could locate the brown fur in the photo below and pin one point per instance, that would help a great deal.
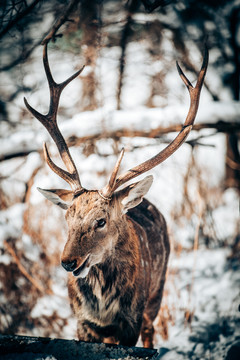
(121, 295)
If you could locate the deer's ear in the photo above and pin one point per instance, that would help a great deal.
(133, 194)
(62, 198)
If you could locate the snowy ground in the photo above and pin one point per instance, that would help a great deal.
(208, 288)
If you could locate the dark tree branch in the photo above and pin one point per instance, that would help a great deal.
(18, 17)
(17, 154)
(20, 59)
(150, 6)
(220, 126)
(232, 153)
(62, 19)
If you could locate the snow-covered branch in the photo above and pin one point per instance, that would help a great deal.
(147, 123)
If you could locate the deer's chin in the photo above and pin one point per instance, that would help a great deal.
(83, 270)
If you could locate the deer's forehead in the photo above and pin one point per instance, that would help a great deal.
(89, 203)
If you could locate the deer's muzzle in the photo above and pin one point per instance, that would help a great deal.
(69, 266)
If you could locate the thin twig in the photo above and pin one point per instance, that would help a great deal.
(20, 59)
(151, 6)
(24, 271)
(195, 245)
(18, 17)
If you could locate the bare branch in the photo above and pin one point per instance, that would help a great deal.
(18, 17)
(150, 6)
(157, 133)
(62, 19)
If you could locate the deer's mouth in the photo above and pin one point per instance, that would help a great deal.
(83, 269)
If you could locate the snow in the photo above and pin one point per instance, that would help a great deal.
(11, 221)
(214, 296)
(227, 215)
(47, 305)
(31, 251)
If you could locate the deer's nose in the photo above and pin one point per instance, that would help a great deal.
(69, 266)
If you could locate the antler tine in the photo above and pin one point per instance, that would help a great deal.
(55, 88)
(50, 122)
(194, 91)
(180, 138)
(65, 175)
(108, 189)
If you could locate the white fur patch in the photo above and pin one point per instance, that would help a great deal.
(83, 273)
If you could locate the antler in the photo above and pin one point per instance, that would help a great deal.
(50, 122)
(194, 92)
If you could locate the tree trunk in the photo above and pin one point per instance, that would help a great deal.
(89, 25)
(232, 178)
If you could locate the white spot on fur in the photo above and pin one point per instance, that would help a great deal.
(84, 272)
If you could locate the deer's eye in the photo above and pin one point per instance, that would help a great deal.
(101, 223)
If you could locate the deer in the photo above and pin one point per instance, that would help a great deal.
(117, 246)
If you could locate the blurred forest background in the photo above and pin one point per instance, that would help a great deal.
(130, 95)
